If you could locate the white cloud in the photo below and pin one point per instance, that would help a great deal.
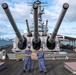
(21, 11)
(70, 15)
(6, 29)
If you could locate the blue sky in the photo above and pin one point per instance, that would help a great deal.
(21, 11)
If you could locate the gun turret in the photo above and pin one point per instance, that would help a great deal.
(22, 40)
(29, 32)
(51, 39)
(36, 42)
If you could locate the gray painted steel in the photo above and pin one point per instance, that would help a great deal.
(36, 36)
(29, 32)
(9, 15)
(52, 37)
(45, 31)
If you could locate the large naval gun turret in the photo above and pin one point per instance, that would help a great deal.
(51, 39)
(37, 32)
(22, 41)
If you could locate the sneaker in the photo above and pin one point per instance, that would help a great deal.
(29, 71)
(40, 71)
(45, 72)
(23, 71)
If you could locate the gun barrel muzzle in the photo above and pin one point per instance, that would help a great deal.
(36, 35)
(65, 7)
(9, 15)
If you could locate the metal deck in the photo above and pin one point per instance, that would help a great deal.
(54, 67)
(2, 65)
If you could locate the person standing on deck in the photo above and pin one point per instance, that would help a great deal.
(27, 60)
(41, 63)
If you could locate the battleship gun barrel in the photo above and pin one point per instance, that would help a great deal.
(51, 40)
(22, 40)
(36, 37)
(29, 32)
(45, 31)
(36, 41)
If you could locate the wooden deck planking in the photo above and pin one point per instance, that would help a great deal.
(54, 67)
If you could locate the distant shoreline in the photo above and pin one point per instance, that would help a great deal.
(7, 48)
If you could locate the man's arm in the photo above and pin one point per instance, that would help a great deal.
(41, 56)
(27, 54)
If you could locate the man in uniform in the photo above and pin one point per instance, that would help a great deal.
(27, 60)
(41, 63)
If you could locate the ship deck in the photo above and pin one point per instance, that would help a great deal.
(54, 67)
